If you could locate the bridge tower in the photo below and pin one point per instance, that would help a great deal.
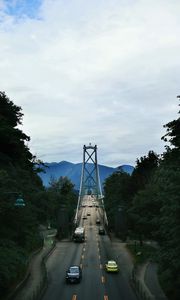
(90, 181)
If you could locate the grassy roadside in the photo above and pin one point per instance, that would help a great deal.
(145, 253)
(142, 253)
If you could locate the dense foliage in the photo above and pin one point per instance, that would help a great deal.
(151, 202)
(19, 226)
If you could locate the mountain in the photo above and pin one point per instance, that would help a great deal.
(126, 168)
(73, 172)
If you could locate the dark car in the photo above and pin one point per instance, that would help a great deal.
(101, 230)
(74, 274)
(98, 221)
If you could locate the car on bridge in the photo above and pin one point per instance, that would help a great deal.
(74, 274)
(111, 266)
(101, 230)
(98, 221)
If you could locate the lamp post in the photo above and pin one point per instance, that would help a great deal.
(13, 217)
(19, 202)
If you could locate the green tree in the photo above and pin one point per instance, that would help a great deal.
(12, 140)
(144, 169)
(18, 225)
(156, 211)
(143, 212)
(168, 179)
(116, 195)
(64, 201)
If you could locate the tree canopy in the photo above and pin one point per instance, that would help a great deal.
(19, 226)
(153, 205)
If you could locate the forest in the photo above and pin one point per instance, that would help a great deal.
(149, 200)
(24, 202)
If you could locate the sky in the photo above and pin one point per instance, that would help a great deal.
(104, 72)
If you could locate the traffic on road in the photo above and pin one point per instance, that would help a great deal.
(87, 268)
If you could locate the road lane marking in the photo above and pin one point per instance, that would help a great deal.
(105, 297)
(99, 256)
(100, 266)
(103, 279)
(82, 256)
(74, 297)
(81, 266)
(84, 249)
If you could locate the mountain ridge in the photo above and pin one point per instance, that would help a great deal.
(73, 171)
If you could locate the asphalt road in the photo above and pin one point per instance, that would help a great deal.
(92, 255)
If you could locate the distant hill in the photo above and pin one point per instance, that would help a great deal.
(73, 172)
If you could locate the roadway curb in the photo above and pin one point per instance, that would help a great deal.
(138, 283)
(159, 293)
(45, 281)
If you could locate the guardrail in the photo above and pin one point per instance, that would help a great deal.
(41, 288)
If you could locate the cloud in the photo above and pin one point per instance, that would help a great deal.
(105, 72)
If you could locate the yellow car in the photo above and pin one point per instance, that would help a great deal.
(111, 266)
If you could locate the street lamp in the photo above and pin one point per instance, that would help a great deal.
(19, 202)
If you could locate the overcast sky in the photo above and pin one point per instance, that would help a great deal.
(99, 71)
